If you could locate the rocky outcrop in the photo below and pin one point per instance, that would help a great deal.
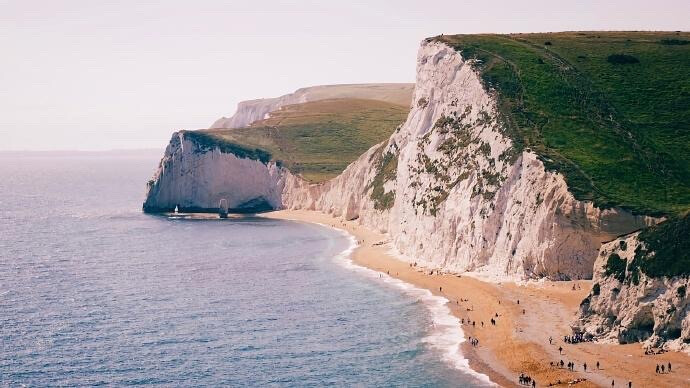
(448, 187)
(254, 110)
(195, 178)
(627, 305)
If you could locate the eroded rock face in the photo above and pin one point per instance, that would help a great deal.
(448, 186)
(197, 179)
(624, 309)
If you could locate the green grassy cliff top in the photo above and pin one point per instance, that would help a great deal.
(609, 110)
(318, 139)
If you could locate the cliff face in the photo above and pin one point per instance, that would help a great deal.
(623, 308)
(448, 187)
(195, 178)
(461, 198)
(254, 110)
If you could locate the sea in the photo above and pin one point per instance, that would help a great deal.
(95, 292)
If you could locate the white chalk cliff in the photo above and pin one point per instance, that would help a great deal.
(194, 178)
(448, 186)
(254, 110)
(655, 310)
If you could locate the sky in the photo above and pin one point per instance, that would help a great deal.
(103, 75)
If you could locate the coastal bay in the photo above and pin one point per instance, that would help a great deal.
(519, 342)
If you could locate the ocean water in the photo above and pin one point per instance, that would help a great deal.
(94, 292)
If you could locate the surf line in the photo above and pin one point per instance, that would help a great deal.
(447, 334)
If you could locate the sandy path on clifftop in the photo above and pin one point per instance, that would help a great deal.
(518, 342)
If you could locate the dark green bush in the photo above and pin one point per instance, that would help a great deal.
(622, 59)
(674, 42)
(596, 289)
(665, 249)
(681, 292)
(616, 266)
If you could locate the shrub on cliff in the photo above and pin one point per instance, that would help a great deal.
(665, 249)
(386, 169)
(622, 59)
(596, 289)
(615, 266)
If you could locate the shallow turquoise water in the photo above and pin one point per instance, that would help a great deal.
(92, 291)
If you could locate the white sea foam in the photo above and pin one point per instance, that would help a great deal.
(447, 334)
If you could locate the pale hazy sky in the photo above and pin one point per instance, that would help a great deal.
(93, 75)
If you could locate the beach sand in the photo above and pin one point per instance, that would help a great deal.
(519, 342)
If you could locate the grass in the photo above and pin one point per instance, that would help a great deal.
(619, 132)
(318, 139)
(666, 249)
(207, 142)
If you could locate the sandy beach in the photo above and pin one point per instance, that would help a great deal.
(525, 315)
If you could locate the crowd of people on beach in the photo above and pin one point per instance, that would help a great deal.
(577, 338)
(661, 368)
(650, 351)
(570, 365)
(474, 341)
(524, 379)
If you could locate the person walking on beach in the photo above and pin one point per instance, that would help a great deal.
(597, 364)
(440, 289)
(560, 350)
(669, 367)
(585, 366)
(629, 384)
(657, 368)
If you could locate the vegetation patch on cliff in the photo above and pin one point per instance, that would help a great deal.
(386, 170)
(608, 110)
(615, 266)
(454, 160)
(664, 250)
(207, 142)
(319, 139)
